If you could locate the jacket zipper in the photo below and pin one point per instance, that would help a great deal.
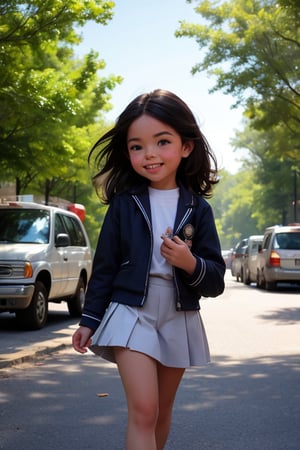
(143, 211)
(178, 301)
(146, 217)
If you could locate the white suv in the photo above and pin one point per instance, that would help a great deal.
(45, 255)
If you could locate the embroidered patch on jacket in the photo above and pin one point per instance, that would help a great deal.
(188, 233)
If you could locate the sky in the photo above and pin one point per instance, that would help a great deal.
(139, 44)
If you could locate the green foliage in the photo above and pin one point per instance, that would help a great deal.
(252, 50)
(233, 204)
(94, 219)
(49, 99)
(273, 176)
(52, 102)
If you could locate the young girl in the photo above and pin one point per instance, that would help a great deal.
(158, 253)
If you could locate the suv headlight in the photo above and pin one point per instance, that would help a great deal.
(28, 270)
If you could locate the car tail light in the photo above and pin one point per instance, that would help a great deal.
(274, 259)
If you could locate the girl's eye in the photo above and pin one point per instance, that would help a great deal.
(163, 142)
(135, 147)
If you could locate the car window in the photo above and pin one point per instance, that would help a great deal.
(24, 226)
(240, 247)
(255, 246)
(287, 241)
(267, 241)
(59, 225)
(74, 231)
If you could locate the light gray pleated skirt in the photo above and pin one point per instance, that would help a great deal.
(174, 338)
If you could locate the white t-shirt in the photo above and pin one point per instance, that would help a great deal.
(163, 212)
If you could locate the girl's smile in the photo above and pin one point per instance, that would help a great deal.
(152, 166)
(155, 151)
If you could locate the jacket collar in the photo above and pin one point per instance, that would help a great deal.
(186, 203)
(189, 199)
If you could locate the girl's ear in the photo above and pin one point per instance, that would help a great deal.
(187, 148)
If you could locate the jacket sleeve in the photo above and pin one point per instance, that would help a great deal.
(105, 267)
(208, 277)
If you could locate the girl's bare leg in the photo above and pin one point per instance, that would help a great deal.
(168, 382)
(150, 390)
(139, 377)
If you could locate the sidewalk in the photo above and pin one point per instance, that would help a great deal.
(24, 346)
(33, 352)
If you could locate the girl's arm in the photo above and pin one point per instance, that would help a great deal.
(105, 267)
(202, 267)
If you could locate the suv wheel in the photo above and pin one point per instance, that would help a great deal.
(35, 316)
(270, 285)
(247, 280)
(259, 281)
(75, 304)
(242, 275)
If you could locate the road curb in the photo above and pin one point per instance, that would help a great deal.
(34, 353)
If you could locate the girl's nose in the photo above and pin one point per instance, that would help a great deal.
(150, 151)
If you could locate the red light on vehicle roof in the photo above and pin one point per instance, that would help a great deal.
(77, 209)
(274, 259)
(13, 204)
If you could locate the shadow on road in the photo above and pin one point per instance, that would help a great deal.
(283, 316)
(223, 406)
(8, 322)
(59, 325)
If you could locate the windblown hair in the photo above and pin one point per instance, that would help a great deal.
(198, 172)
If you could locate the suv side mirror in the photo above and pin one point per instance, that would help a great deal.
(259, 248)
(62, 240)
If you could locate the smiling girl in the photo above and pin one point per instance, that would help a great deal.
(158, 253)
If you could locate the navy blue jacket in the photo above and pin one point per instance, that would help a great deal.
(123, 255)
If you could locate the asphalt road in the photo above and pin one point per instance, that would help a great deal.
(247, 398)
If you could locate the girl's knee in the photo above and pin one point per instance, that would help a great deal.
(144, 414)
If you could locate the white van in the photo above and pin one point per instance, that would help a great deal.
(249, 264)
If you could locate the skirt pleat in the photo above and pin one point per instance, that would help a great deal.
(174, 338)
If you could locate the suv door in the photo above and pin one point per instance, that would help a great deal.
(59, 262)
(77, 252)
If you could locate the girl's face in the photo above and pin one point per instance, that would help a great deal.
(155, 151)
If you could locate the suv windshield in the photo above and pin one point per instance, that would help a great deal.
(24, 226)
(287, 241)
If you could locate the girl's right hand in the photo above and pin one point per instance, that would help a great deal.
(81, 339)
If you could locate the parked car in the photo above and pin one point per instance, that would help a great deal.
(45, 256)
(249, 261)
(227, 256)
(237, 258)
(279, 257)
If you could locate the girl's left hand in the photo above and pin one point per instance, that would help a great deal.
(81, 339)
(178, 254)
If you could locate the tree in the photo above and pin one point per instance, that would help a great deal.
(49, 98)
(272, 187)
(234, 207)
(253, 52)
